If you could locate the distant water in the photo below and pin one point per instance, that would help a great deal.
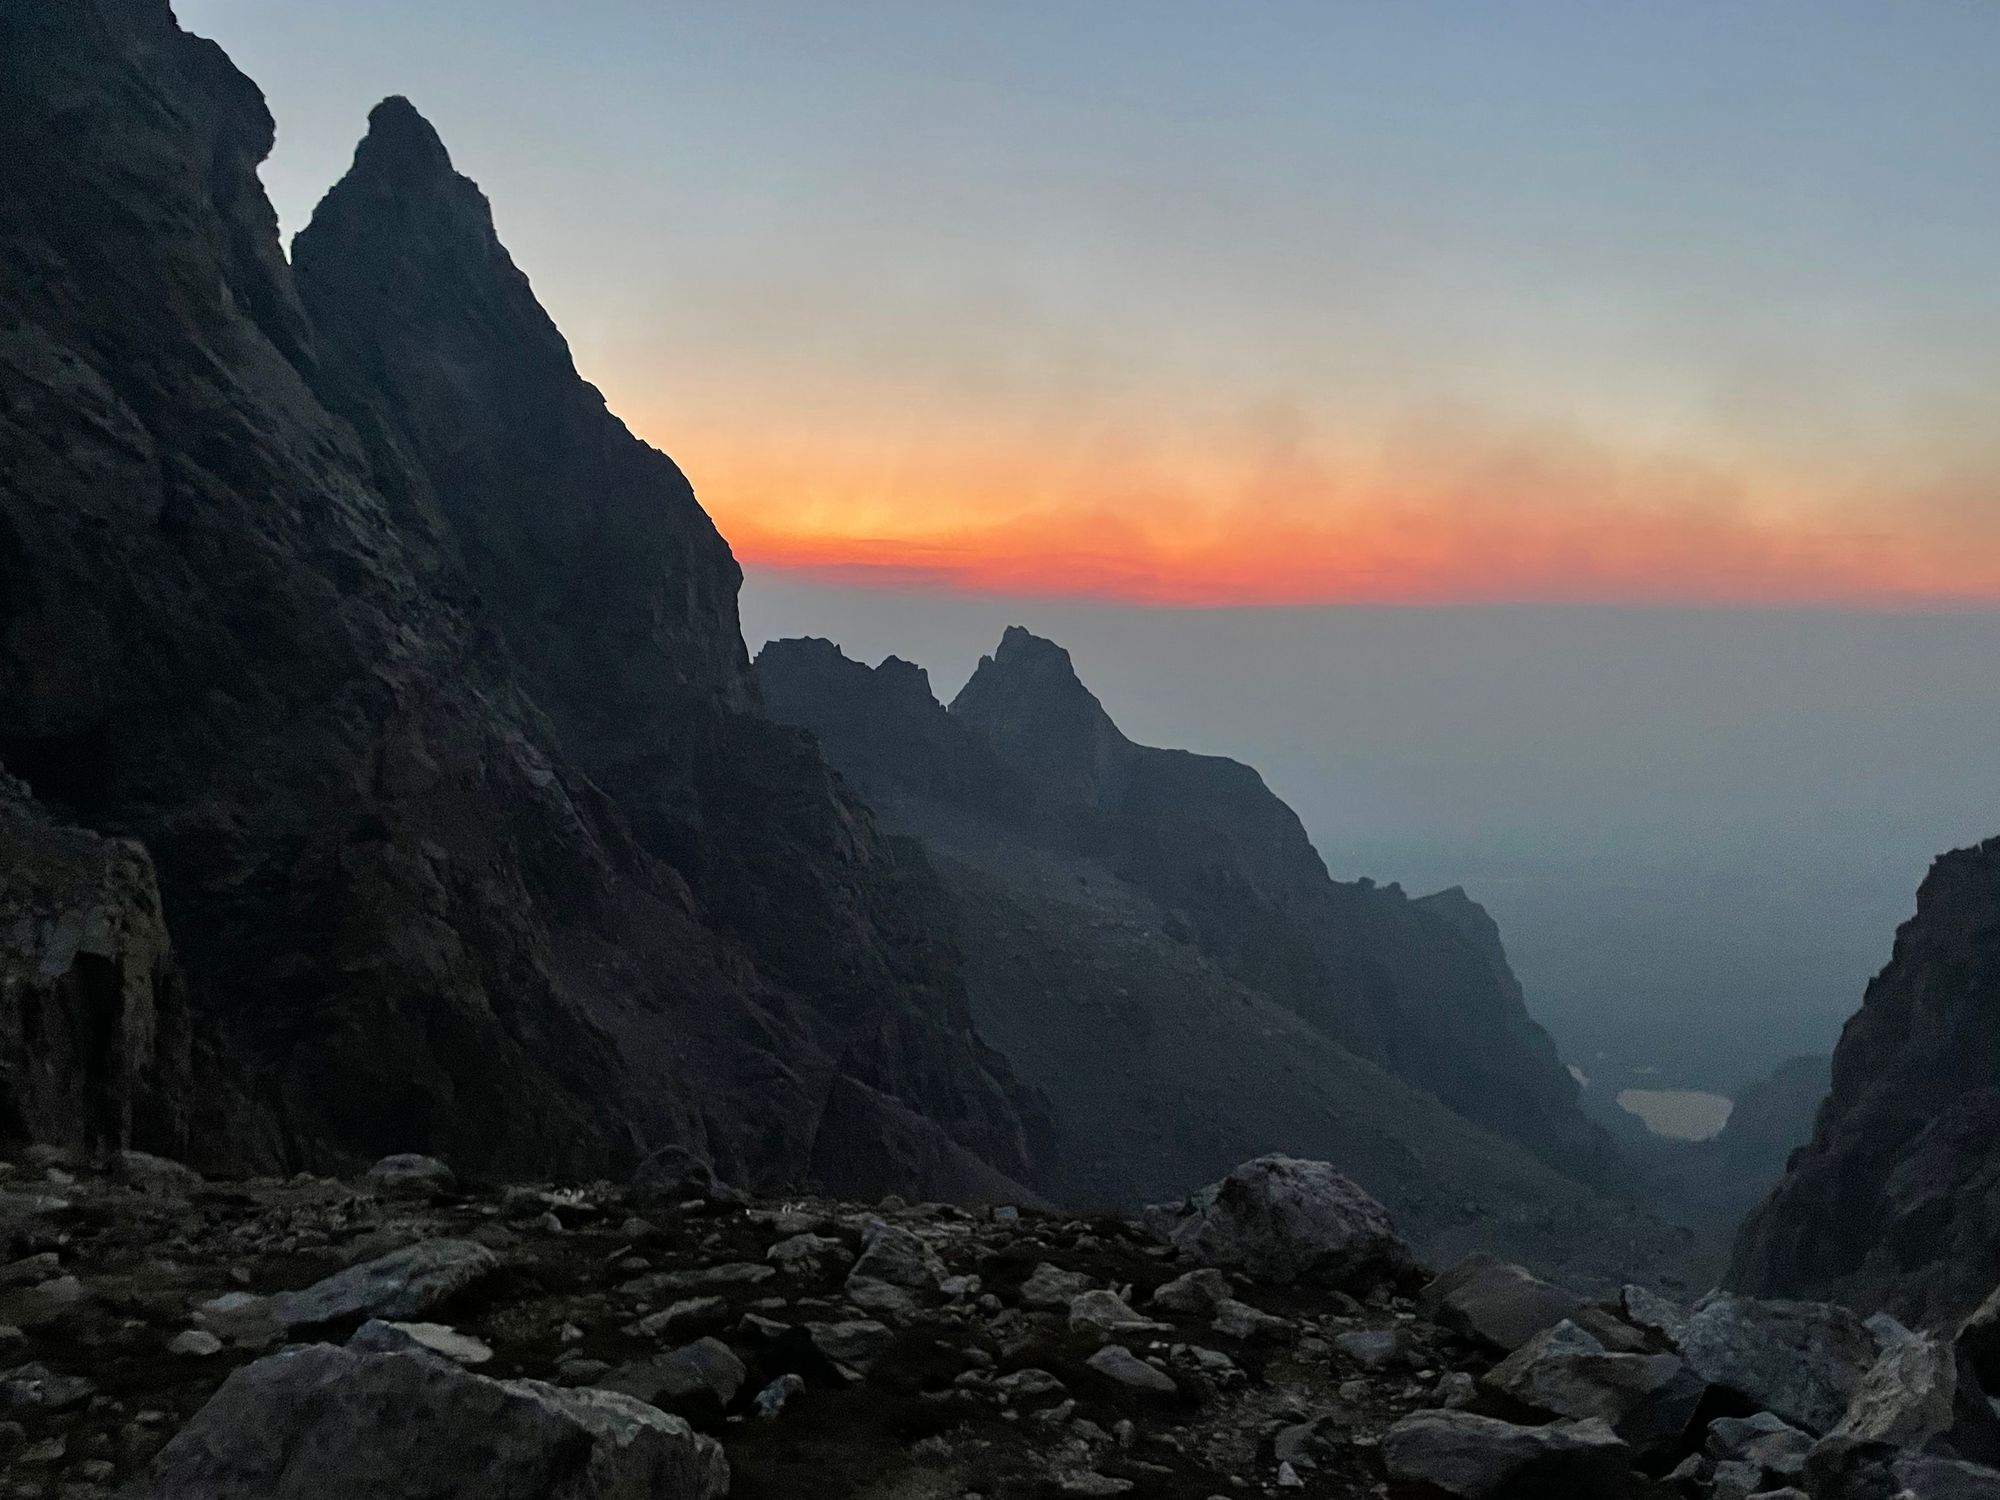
(1682, 1114)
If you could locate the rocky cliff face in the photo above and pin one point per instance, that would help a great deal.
(94, 1037)
(1895, 1202)
(1421, 987)
(418, 676)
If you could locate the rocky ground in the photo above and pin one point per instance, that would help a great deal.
(404, 1335)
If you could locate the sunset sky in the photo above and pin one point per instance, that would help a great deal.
(1176, 303)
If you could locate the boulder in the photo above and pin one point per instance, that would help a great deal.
(1051, 1286)
(1775, 1448)
(1286, 1220)
(857, 1342)
(1469, 1457)
(1197, 1291)
(1105, 1313)
(1239, 1320)
(431, 1338)
(1649, 1400)
(1922, 1393)
(896, 1255)
(404, 1283)
(322, 1423)
(409, 1175)
(1647, 1309)
(702, 1376)
(1116, 1362)
(1801, 1361)
(1499, 1305)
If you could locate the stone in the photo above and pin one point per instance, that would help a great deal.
(880, 1299)
(1455, 1389)
(807, 1254)
(1647, 1309)
(1499, 1305)
(1801, 1361)
(684, 1316)
(1775, 1447)
(44, 1304)
(1286, 1220)
(1649, 1400)
(1198, 1291)
(772, 1399)
(312, 1423)
(857, 1342)
(1470, 1457)
(37, 1388)
(894, 1254)
(1116, 1362)
(1239, 1320)
(1923, 1393)
(1051, 1286)
(436, 1338)
(705, 1374)
(410, 1175)
(1106, 1313)
(195, 1343)
(1025, 1385)
(404, 1283)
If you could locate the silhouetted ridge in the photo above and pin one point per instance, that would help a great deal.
(1421, 987)
(421, 680)
(1895, 1201)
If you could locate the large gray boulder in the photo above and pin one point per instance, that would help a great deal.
(1801, 1361)
(322, 1423)
(1287, 1220)
(1470, 1457)
(1565, 1371)
(405, 1283)
(1503, 1306)
(1922, 1393)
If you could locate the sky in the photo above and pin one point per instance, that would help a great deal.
(1212, 304)
(1557, 441)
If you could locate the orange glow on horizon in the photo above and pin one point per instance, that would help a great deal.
(1230, 520)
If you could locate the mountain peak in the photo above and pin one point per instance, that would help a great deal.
(1027, 699)
(401, 144)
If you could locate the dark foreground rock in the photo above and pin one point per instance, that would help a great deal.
(163, 1335)
(320, 1423)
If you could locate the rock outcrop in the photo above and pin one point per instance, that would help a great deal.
(417, 675)
(94, 1046)
(1895, 1202)
(1420, 987)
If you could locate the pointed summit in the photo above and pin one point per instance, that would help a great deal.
(401, 144)
(1027, 699)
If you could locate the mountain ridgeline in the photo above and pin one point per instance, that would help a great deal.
(1420, 987)
(420, 680)
(1154, 944)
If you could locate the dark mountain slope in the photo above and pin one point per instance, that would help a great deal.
(1159, 1060)
(1394, 980)
(1895, 1202)
(418, 676)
